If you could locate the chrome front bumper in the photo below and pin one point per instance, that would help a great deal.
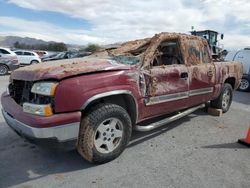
(61, 133)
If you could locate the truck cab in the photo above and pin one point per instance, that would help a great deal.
(97, 101)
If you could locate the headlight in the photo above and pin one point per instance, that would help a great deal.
(41, 110)
(44, 88)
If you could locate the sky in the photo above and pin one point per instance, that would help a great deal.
(109, 21)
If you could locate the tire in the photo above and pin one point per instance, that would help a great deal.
(225, 98)
(3, 70)
(245, 84)
(33, 62)
(104, 133)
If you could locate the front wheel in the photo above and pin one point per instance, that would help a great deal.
(104, 133)
(244, 84)
(3, 70)
(225, 99)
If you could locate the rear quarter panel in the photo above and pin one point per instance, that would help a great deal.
(225, 70)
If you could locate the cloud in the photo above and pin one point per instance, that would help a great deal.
(121, 20)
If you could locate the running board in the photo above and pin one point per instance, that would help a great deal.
(167, 120)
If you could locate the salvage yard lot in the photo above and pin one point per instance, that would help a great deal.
(197, 151)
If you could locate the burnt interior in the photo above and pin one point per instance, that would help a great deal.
(168, 53)
(20, 91)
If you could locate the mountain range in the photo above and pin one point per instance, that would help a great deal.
(8, 41)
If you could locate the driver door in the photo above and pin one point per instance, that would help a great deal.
(167, 82)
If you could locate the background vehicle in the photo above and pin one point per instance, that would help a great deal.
(27, 57)
(8, 61)
(61, 55)
(242, 56)
(212, 38)
(41, 53)
(95, 102)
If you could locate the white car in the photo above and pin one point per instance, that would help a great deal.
(27, 57)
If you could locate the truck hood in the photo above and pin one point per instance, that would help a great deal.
(66, 68)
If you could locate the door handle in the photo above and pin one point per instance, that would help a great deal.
(210, 73)
(184, 75)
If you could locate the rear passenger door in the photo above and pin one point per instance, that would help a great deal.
(201, 72)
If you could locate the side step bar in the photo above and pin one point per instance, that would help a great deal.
(167, 120)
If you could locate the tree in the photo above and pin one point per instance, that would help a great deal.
(17, 44)
(92, 48)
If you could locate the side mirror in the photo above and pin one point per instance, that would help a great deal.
(221, 36)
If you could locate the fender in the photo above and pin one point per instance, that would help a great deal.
(111, 93)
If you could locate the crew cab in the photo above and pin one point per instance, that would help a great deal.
(96, 101)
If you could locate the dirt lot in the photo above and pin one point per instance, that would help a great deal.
(197, 151)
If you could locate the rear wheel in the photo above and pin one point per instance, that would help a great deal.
(33, 62)
(245, 84)
(225, 99)
(3, 69)
(104, 133)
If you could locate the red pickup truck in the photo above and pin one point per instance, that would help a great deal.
(95, 102)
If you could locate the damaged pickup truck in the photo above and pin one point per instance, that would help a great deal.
(95, 102)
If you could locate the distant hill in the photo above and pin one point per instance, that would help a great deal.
(8, 41)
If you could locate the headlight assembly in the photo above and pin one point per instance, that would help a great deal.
(44, 88)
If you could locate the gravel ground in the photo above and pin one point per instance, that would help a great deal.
(197, 151)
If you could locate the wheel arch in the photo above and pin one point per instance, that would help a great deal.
(34, 60)
(231, 81)
(5, 65)
(123, 98)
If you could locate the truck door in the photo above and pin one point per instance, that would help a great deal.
(167, 81)
(201, 72)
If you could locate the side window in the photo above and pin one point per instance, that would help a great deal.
(2, 51)
(19, 53)
(194, 52)
(205, 54)
(27, 53)
(168, 53)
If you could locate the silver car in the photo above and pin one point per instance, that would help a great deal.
(8, 61)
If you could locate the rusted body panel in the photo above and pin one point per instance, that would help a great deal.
(157, 90)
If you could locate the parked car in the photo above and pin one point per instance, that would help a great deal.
(8, 61)
(95, 102)
(27, 57)
(41, 53)
(61, 55)
(242, 56)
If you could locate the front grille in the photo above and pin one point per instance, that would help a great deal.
(20, 91)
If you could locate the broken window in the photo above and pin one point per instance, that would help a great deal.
(205, 54)
(194, 52)
(168, 53)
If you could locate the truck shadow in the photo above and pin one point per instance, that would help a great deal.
(22, 161)
(139, 137)
(234, 145)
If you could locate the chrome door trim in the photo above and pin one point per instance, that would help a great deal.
(200, 91)
(166, 98)
(177, 96)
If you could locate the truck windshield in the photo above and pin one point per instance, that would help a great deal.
(129, 60)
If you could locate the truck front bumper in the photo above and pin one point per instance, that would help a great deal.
(60, 133)
(59, 128)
